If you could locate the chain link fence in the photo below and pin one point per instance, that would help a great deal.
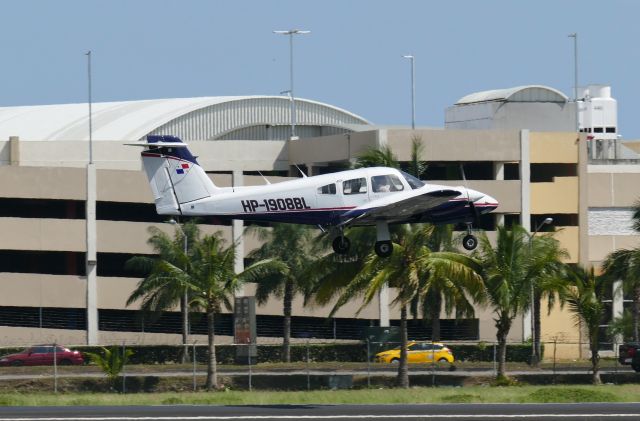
(320, 364)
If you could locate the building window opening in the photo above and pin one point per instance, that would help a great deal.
(482, 170)
(43, 262)
(485, 222)
(512, 171)
(545, 173)
(41, 208)
(559, 220)
(511, 219)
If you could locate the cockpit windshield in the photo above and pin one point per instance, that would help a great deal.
(414, 182)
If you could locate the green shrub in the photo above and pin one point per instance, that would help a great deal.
(484, 352)
(330, 352)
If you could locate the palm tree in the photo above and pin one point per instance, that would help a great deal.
(411, 269)
(455, 293)
(213, 283)
(377, 157)
(624, 264)
(584, 297)
(636, 215)
(166, 275)
(384, 156)
(330, 273)
(291, 245)
(506, 273)
(416, 166)
(111, 361)
(546, 273)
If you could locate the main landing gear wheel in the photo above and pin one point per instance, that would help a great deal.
(341, 245)
(383, 248)
(469, 242)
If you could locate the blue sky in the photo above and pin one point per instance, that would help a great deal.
(146, 49)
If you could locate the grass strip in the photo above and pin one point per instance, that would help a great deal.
(474, 394)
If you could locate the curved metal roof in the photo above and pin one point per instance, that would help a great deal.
(530, 93)
(200, 118)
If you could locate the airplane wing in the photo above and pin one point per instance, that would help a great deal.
(394, 209)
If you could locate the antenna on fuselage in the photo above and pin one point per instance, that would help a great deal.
(301, 172)
(264, 178)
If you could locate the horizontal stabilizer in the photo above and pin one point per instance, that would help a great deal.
(159, 144)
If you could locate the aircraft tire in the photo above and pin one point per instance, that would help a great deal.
(383, 248)
(341, 245)
(470, 242)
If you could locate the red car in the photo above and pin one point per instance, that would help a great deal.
(43, 355)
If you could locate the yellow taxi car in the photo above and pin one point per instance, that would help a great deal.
(418, 352)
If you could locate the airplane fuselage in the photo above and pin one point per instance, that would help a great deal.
(367, 196)
(325, 199)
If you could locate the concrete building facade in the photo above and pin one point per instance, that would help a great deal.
(534, 174)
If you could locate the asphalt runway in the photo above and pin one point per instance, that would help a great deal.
(591, 411)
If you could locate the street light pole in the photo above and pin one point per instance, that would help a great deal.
(575, 76)
(291, 33)
(185, 297)
(413, 91)
(534, 353)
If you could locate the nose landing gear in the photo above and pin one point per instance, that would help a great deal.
(383, 248)
(469, 241)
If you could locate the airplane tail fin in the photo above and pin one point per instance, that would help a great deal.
(174, 174)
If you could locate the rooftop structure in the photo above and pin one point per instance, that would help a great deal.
(203, 118)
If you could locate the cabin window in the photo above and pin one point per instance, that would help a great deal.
(328, 189)
(354, 186)
(386, 183)
(414, 182)
(610, 129)
(598, 130)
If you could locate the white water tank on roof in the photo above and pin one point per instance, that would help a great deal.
(598, 112)
(599, 119)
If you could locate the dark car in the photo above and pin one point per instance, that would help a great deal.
(629, 354)
(43, 355)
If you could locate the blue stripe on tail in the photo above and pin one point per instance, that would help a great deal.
(180, 153)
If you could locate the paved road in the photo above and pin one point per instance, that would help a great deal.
(597, 411)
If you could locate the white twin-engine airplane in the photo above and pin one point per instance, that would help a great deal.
(366, 196)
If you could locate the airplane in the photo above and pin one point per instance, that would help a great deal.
(377, 196)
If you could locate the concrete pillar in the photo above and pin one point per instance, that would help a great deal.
(498, 174)
(383, 295)
(498, 170)
(383, 306)
(91, 258)
(237, 231)
(525, 180)
(583, 201)
(583, 218)
(525, 208)
(14, 143)
(309, 166)
(381, 138)
(618, 308)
